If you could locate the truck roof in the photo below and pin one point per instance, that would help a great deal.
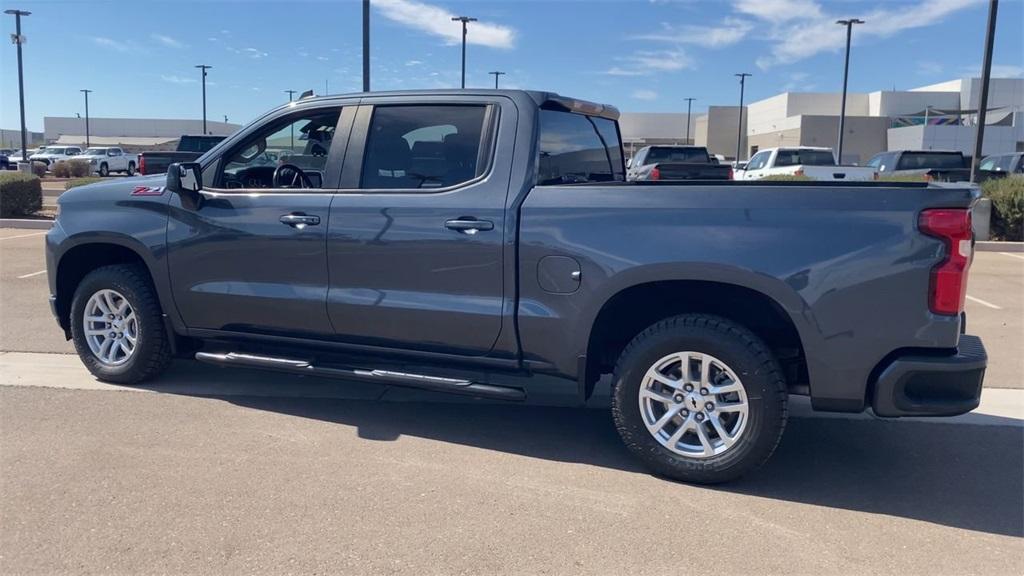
(540, 98)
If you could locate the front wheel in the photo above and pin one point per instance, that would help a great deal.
(117, 325)
(699, 398)
(131, 169)
(104, 170)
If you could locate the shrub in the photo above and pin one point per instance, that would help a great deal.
(787, 178)
(1007, 195)
(61, 170)
(20, 194)
(39, 169)
(81, 182)
(78, 168)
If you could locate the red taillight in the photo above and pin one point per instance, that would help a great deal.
(142, 164)
(732, 175)
(798, 172)
(949, 278)
(655, 173)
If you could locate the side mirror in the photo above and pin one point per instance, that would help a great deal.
(629, 163)
(185, 178)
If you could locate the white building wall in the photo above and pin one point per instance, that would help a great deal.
(54, 126)
(655, 125)
(912, 102)
(998, 139)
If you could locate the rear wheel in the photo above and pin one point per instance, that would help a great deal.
(104, 170)
(699, 398)
(131, 168)
(117, 325)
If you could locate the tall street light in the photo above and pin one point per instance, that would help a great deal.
(496, 73)
(18, 39)
(366, 45)
(689, 104)
(986, 75)
(86, 92)
(465, 20)
(204, 68)
(739, 130)
(846, 73)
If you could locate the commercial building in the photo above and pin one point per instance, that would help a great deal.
(134, 134)
(641, 129)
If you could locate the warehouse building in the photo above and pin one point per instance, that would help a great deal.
(133, 134)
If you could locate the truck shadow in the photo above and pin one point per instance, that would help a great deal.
(968, 476)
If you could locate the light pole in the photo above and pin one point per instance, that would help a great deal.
(986, 74)
(496, 73)
(19, 40)
(204, 68)
(846, 73)
(465, 20)
(689, 104)
(291, 93)
(86, 92)
(366, 45)
(739, 130)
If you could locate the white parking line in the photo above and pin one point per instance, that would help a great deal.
(23, 236)
(1012, 255)
(983, 302)
(32, 274)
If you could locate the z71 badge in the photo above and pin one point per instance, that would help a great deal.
(148, 191)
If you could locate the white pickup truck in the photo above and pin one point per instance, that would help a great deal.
(52, 154)
(814, 163)
(103, 161)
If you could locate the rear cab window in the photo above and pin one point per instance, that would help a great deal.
(931, 160)
(675, 154)
(577, 148)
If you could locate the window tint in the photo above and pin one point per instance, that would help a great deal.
(928, 160)
(669, 154)
(804, 157)
(423, 146)
(576, 148)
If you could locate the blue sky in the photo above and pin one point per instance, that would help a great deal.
(641, 55)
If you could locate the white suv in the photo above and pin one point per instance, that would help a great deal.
(50, 155)
(103, 161)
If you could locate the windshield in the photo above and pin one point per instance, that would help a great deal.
(660, 154)
(49, 150)
(805, 157)
(95, 152)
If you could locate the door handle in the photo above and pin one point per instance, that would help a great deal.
(299, 220)
(469, 225)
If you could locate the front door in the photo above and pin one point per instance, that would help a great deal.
(250, 256)
(417, 238)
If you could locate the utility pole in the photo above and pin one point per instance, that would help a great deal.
(846, 73)
(496, 73)
(204, 68)
(290, 94)
(465, 20)
(689, 104)
(366, 45)
(739, 130)
(86, 92)
(986, 75)
(18, 39)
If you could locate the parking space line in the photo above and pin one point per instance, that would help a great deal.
(1012, 255)
(23, 236)
(973, 299)
(32, 274)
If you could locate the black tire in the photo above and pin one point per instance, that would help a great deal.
(153, 350)
(131, 169)
(745, 354)
(104, 170)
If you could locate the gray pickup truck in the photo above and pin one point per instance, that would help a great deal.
(676, 163)
(486, 243)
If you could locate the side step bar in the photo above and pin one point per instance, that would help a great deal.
(386, 377)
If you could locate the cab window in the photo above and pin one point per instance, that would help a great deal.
(575, 148)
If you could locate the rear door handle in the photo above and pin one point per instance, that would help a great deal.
(469, 225)
(300, 220)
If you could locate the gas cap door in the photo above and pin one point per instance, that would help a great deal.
(558, 274)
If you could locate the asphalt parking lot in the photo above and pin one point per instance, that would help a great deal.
(217, 471)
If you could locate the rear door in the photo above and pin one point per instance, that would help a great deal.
(251, 255)
(418, 234)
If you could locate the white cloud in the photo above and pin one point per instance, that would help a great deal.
(729, 32)
(322, 58)
(930, 68)
(436, 21)
(175, 79)
(167, 41)
(414, 63)
(644, 95)
(112, 44)
(647, 62)
(797, 82)
(998, 71)
(801, 28)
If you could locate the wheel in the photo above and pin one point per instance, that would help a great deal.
(117, 325)
(699, 398)
(131, 168)
(104, 170)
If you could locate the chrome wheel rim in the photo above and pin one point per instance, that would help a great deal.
(111, 327)
(693, 404)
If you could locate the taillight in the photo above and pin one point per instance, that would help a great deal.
(142, 164)
(732, 175)
(655, 173)
(949, 278)
(798, 172)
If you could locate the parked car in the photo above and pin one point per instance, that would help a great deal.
(486, 243)
(15, 157)
(105, 160)
(930, 165)
(1001, 165)
(812, 162)
(676, 163)
(4, 162)
(50, 155)
(189, 148)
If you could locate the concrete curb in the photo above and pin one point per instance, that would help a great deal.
(26, 223)
(989, 246)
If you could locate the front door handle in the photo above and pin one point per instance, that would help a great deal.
(469, 225)
(300, 220)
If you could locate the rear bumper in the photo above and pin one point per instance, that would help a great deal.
(920, 385)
